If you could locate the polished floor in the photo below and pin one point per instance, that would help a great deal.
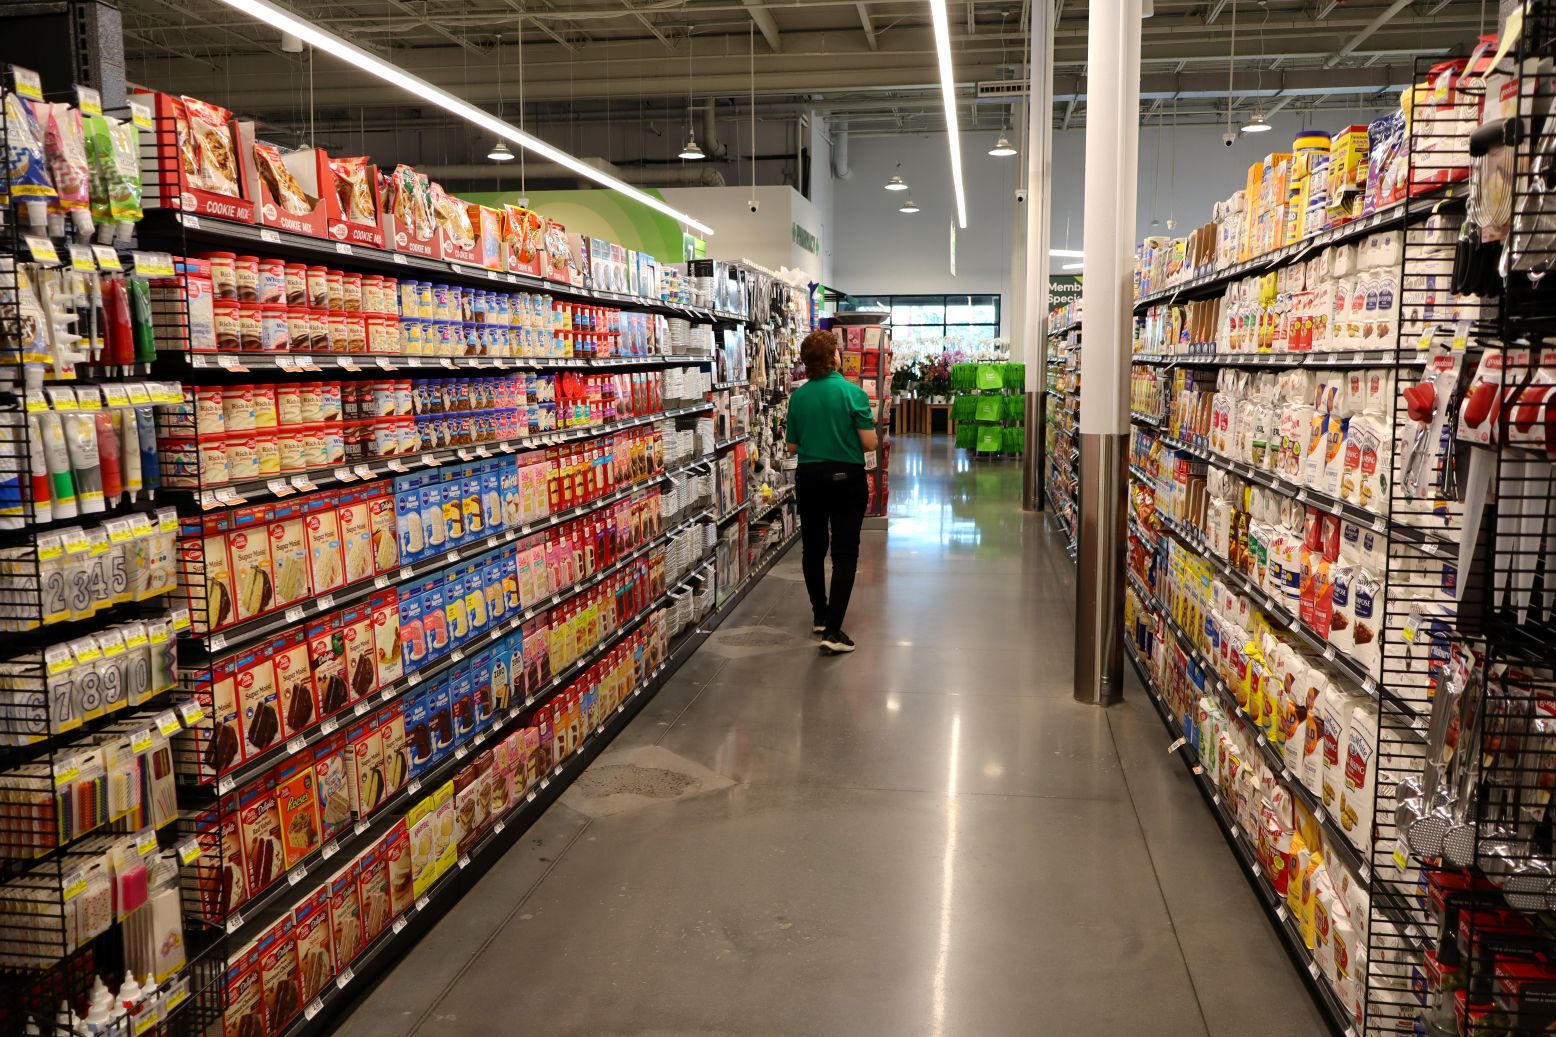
(928, 837)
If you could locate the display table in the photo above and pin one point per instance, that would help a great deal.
(927, 420)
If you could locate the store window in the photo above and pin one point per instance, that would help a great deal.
(962, 319)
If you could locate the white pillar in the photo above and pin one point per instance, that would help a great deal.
(1112, 146)
(1039, 199)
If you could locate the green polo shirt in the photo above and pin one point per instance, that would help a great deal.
(825, 416)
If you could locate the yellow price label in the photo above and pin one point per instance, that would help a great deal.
(88, 100)
(75, 889)
(107, 257)
(140, 116)
(42, 249)
(189, 850)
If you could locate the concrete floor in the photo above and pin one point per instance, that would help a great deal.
(928, 837)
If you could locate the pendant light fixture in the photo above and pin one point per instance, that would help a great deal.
(1002, 148)
(896, 183)
(499, 152)
(691, 151)
(908, 206)
(1256, 124)
(310, 33)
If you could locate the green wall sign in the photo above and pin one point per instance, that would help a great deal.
(805, 239)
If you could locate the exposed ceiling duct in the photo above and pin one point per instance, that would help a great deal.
(840, 154)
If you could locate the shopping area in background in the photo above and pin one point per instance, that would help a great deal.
(343, 523)
(1338, 550)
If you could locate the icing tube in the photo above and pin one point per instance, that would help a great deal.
(118, 335)
(13, 509)
(29, 174)
(81, 442)
(57, 456)
(140, 318)
(129, 448)
(108, 457)
(124, 185)
(38, 468)
(65, 147)
(150, 467)
(99, 153)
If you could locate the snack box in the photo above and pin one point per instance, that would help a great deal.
(362, 223)
(215, 145)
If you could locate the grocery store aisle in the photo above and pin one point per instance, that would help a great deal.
(926, 837)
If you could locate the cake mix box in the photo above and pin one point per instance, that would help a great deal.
(311, 936)
(297, 804)
(396, 845)
(373, 892)
(278, 975)
(345, 915)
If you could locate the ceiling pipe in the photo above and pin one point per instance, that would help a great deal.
(711, 145)
(1367, 30)
(840, 168)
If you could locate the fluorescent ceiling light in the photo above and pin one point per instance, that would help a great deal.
(331, 44)
(1074, 266)
(908, 206)
(1257, 124)
(1067, 253)
(953, 135)
(1002, 148)
(896, 183)
(500, 152)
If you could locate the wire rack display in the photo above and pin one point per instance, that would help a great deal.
(1061, 410)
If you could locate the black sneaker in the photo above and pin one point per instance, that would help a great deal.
(835, 642)
(818, 623)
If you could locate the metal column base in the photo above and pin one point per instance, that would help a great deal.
(1099, 581)
(1032, 465)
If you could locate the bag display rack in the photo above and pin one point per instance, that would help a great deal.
(989, 409)
(1338, 564)
(366, 609)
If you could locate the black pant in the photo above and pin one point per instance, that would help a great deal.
(835, 494)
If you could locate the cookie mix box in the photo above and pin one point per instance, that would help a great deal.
(356, 628)
(350, 193)
(373, 892)
(257, 701)
(294, 682)
(311, 938)
(260, 824)
(364, 770)
(332, 784)
(345, 915)
(297, 802)
(191, 161)
(278, 975)
(396, 849)
(244, 1013)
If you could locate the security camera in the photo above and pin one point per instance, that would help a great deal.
(1228, 138)
(1021, 195)
(753, 205)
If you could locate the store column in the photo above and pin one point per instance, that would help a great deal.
(1112, 144)
(1039, 198)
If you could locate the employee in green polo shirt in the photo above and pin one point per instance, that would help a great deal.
(830, 426)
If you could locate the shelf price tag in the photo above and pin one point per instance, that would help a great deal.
(314, 1008)
(189, 850)
(346, 976)
(331, 848)
(234, 922)
(400, 924)
(344, 248)
(296, 875)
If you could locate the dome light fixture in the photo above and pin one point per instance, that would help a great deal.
(692, 151)
(500, 152)
(1257, 124)
(1002, 148)
(896, 183)
(908, 206)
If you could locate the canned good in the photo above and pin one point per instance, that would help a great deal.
(289, 445)
(318, 331)
(351, 293)
(272, 281)
(289, 404)
(334, 442)
(247, 271)
(311, 395)
(265, 406)
(335, 285)
(213, 461)
(224, 276)
(356, 333)
(335, 332)
(296, 285)
(329, 401)
(210, 414)
(242, 456)
(274, 332)
(238, 407)
(268, 453)
(315, 454)
(297, 333)
(318, 288)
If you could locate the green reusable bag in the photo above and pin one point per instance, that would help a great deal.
(989, 439)
(966, 436)
(989, 408)
(991, 376)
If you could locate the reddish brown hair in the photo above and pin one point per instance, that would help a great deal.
(816, 353)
